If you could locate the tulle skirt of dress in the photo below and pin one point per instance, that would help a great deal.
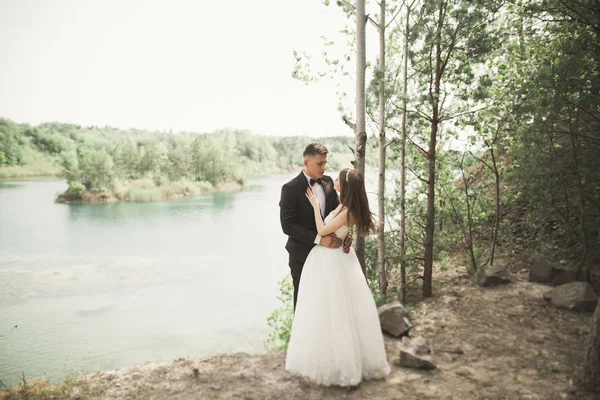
(336, 336)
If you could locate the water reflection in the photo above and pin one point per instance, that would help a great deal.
(223, 201)
(9, 185)
(128, 213)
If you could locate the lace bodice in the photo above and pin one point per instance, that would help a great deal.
(342, 230)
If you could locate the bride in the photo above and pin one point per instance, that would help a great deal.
(336, 336)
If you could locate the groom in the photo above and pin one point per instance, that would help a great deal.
(297, 215)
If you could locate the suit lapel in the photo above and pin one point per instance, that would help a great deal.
(302, 184)
(328, 187)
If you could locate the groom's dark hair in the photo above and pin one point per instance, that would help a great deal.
(312, 149)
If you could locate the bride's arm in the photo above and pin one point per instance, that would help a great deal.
(331, 226)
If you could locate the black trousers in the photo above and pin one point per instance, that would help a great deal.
(296, 271)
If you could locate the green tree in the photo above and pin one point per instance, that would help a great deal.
(456, 38)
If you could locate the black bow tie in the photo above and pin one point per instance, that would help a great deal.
(318, 180)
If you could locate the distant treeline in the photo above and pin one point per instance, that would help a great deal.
(103, 159)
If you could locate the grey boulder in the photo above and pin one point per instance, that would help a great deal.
(492, 275)
(577, 296)
(394, 319)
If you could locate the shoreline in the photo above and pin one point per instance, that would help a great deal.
(143, 190)
(31, 171)
(477, 341)
(147, 192)
(15, 178)
(156, 193)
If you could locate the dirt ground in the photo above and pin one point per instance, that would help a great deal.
(494, 343)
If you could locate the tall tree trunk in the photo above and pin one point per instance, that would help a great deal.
(469, 232)
(582, 232)
(381, 267)
(591, 360)
(498, 209)
(565, 184)
(361, 134)
(435, 120)
(402, 232)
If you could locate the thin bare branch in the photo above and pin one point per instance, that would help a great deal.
(421, 150)
(593, 139)
(350, 124)
(408, 235)
(465, 113)
(482, 161)
(395, 15)
(417, 176)
(416, 111)
(415, 145)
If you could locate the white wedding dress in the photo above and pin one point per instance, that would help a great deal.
(336, 336)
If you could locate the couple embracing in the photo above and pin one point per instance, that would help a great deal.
(336, 337)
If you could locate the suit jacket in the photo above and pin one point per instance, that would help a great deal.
(298, 217)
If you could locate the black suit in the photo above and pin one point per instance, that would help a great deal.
(298, 221)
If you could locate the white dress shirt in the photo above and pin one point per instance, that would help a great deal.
(320, 192)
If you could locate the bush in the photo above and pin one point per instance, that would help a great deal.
(185, 186)
(281, 319)
(144, 195)
(205, 186)
(145, 183)
(95, 170)
(76, 189)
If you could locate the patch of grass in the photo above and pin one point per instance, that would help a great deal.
(185, 187)
(145, 190)
(445, 261)
(543, 363)
(40, 389)
(23, 171)
(381, 299)
(144, 195)
(145, 183)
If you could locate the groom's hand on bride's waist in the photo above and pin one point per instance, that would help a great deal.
(331, 241)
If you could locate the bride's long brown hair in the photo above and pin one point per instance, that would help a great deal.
(353, 196)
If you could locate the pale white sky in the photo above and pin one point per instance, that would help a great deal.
(194, 65)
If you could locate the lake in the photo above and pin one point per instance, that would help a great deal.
(89, 287)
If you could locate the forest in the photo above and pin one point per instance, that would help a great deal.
(103, 164)
(487, 114)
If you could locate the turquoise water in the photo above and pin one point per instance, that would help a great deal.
(105, 286)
